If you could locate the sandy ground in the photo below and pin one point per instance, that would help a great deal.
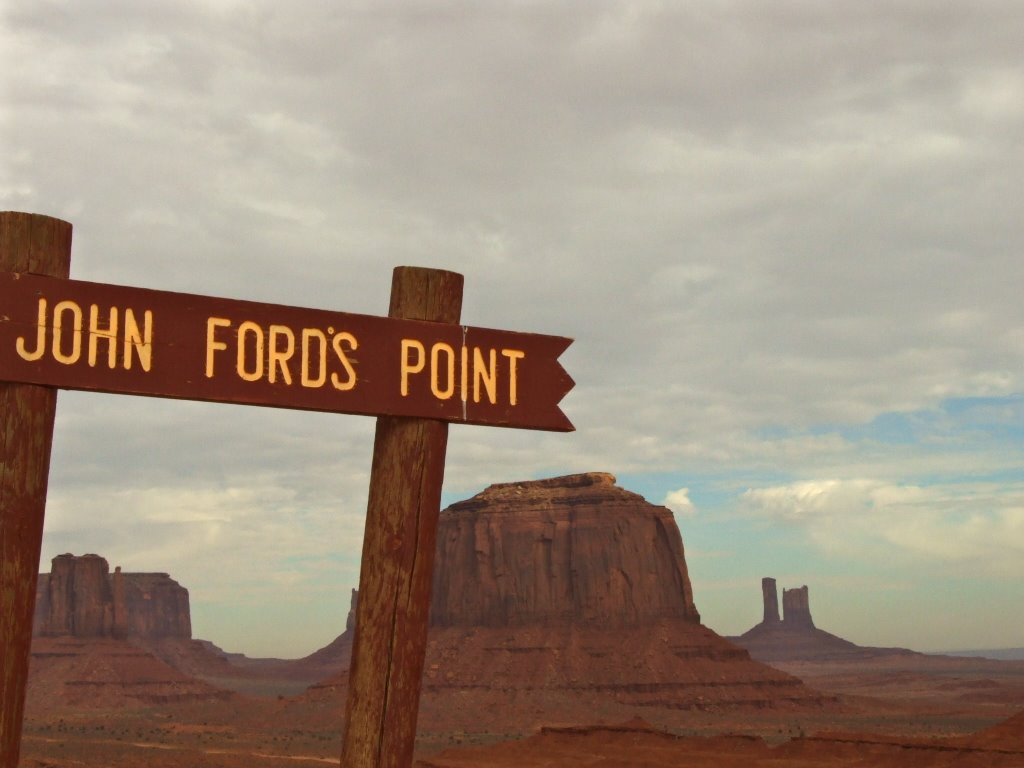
(916, 711)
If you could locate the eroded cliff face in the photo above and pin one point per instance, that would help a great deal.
(81, 598)
(796, 607)
(770, 592)
(78, 599)
(575, 549)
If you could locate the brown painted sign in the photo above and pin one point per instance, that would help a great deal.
(94, 336)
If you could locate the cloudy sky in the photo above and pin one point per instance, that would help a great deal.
(782, 234)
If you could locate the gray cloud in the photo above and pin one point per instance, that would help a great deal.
(751, 218)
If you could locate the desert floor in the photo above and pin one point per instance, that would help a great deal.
(889, 711)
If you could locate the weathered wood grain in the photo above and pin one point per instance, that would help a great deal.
(398, 556)
(40, 245)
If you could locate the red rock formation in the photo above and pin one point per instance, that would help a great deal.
(81, 598)
(80, 601)
(796, 607)
(96, 672)
(559, 598)
(119, 628)
(795, 638)
(156, 607)
(771, 600)
(573, 549)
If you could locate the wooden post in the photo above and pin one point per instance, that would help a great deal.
(398, 555)
(40, 245)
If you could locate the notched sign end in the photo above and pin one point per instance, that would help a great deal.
(562, 385)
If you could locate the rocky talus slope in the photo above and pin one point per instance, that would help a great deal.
(105, 639)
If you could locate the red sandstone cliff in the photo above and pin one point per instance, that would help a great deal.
(81, 598)
(575, 549)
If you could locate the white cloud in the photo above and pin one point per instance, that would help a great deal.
(679, 502)
(977, 528)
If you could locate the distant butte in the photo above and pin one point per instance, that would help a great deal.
(794, 637)
(103, 639)
(81, 598)
(550, 597)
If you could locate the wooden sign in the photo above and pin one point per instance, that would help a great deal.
(79, 335)
(416, 370)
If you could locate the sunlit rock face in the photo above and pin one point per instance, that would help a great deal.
(575, 549)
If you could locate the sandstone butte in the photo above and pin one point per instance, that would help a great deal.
(571, 550)
(794, 637)
(81, 598)
(98, 638)
(555, 597)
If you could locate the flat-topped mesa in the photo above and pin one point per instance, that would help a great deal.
(576, 549)
(81, 598)
(553, 597)
(796, 609)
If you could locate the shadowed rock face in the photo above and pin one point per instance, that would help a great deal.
(795, 638)
(796, 607)
(575, 549)
(81, 598)
(771, 600)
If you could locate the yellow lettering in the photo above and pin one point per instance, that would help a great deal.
(19, 343)
(488, 376)
(449, 390)
(279, 358)
(411, 345)
(307, 335)
(140, 342)
(97, 334)
(513, 356)
(464, 374)
(212, 345)
(348, 384)
(249, 328)
(58, 331)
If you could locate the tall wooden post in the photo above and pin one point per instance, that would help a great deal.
(398, 555)
(39, 245)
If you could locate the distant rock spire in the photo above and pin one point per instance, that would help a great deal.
(796, 609)
(771, 600)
